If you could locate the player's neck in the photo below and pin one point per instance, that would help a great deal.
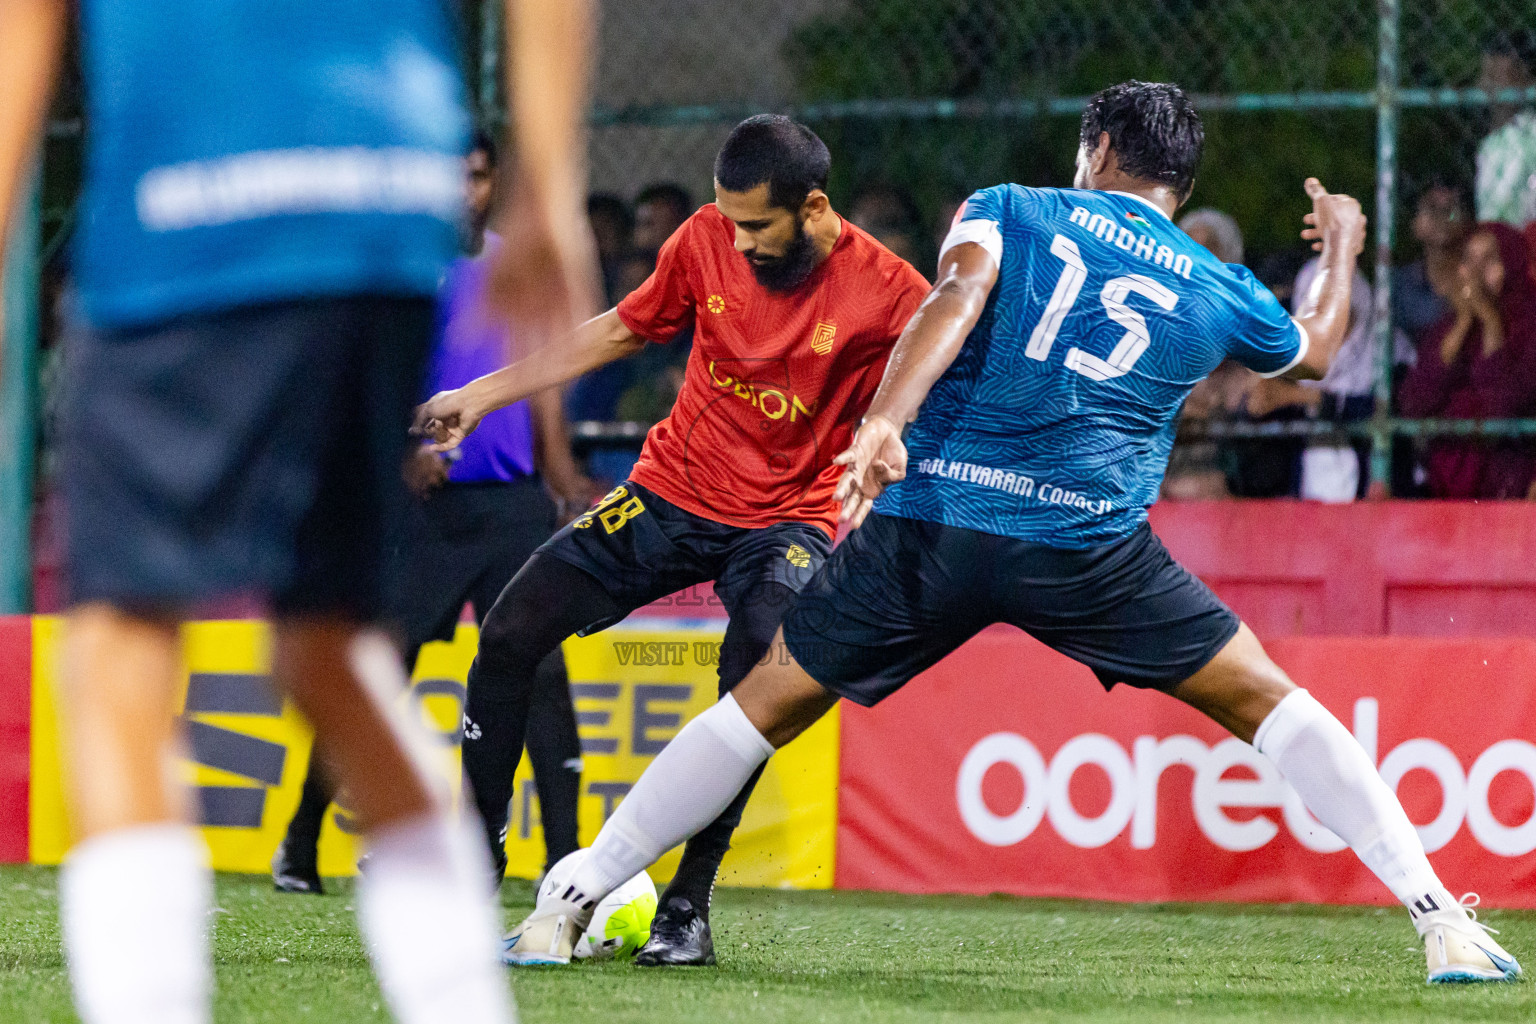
(824, 235)
(1159, 195)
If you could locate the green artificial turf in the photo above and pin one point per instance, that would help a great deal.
(843, 957)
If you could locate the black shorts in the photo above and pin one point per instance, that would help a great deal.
(899, 594)
(462, 543)
(256, 449)
(641, 547)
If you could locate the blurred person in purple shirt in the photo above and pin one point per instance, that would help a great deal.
(477, 518)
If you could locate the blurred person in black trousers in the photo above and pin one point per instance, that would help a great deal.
(474, 522)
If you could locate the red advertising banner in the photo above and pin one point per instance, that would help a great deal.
(1007, 768)
(15, 735)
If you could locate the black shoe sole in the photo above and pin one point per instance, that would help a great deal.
(645, 958)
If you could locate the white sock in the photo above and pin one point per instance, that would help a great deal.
(430, 930)
(1340, 786)
(134, 905)
(692, 780)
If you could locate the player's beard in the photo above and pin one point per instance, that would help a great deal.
(787, 272)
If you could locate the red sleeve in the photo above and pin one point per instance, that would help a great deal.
(914, 288)
(663, 306)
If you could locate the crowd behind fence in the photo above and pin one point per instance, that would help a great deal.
(1415, 106)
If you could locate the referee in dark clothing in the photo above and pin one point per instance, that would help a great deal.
(477, 518)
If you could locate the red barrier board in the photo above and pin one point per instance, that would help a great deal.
(15, 735)
(1007, 768)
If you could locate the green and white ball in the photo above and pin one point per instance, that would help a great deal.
(622, 921)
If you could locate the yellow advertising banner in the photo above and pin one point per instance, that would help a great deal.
(634, 688)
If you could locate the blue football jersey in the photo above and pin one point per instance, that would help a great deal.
(249, 152)
(1055, 422)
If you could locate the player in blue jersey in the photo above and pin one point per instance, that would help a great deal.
(272, 194)
(1042, 378)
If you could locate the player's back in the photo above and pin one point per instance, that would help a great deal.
(1055, 422)
(242, 153)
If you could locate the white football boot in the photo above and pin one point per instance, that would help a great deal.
(548, 935)
(1458, 948)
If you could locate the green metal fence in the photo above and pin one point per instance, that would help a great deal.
(1376, 97)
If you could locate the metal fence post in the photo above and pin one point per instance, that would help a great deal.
(18, 401)
(491, 50)
(1387, 104)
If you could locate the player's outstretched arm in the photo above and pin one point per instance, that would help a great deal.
(31, 33)
(926, 348)
(1336, 228)
(448, 417)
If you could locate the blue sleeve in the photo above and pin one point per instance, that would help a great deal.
(1264, 336)
(987, 204)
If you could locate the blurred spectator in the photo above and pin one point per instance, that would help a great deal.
(660, 209)
(1479, 362)
(1330, 471)
(890, 214)
(1215, 230)
(1421, 290)
(1506, 159)
(1196, 469)
(612, 226)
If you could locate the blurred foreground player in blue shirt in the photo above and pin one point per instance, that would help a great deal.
(1041, 379)
(475, 519)
(272, 193)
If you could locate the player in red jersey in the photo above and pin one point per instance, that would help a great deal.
(794, 312)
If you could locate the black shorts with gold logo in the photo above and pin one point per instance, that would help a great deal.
(642, 547)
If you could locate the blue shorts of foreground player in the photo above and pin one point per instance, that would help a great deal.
(899, 594)
(254, 450)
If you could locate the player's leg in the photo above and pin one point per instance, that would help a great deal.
(889, 603)
(135, 891)
(1134, 615)
(554, 751)
(421, 906)
(521, 519)
(680, 933)
(296, 863)
(1247, 693)
(610, 561)
(548, 600)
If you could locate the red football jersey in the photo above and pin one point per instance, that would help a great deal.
(776, 382)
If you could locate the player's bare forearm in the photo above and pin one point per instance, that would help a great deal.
(1337, 227)
(933, 337)
(549, 54)
(595, 343)
(31, 33)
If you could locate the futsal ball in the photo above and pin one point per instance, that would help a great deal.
(622, 920)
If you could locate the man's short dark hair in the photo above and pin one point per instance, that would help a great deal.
(1153, 128)
(1519, 44)
(483, 143)
(670, 193)
(773, 149)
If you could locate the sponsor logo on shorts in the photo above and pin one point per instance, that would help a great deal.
(798, 557)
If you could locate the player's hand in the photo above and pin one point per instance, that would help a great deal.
(876, 459)
(1335, 221)
(545, 276)
(448, 417)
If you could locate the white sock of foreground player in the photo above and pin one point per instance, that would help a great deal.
(691, 781)
(430, 930)
(1343, 790)
(134, 905)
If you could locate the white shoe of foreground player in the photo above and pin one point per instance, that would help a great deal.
(548, 935)
(1459, 949)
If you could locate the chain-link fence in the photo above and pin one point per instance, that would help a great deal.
(926, 100)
